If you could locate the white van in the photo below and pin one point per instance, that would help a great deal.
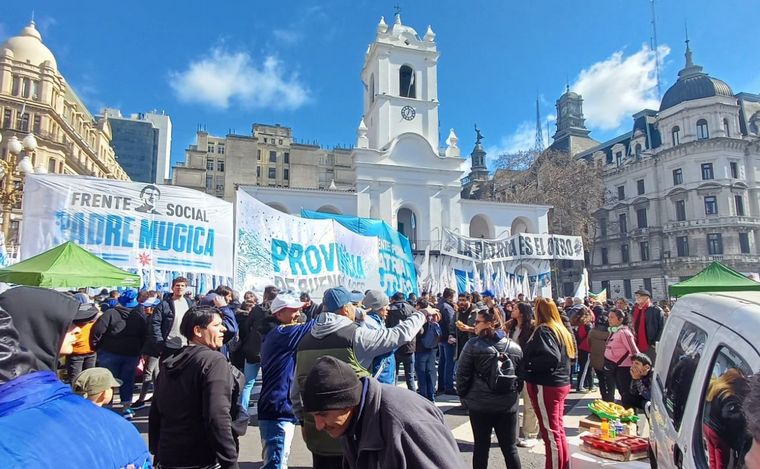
(708, 348)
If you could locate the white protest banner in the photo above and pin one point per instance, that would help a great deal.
(129, 224)
(519, 246)
(299, 254)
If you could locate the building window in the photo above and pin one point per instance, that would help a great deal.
(680, 210)
(16, 87)
(220, 149)
(220, 166)
(744, 243)
(624, 255)
(209, 165)
(644, 250)
(711, 205)
(219, 187)
(272, 173)
(682, 246)
(51, 165)
(210, 148)
(647, 284)
(641, 217)
(675, 134)
(623, 223)
(702, 132)
(23, 124)
(258, 171)
(406, 82)
(265, 140)
(677, 177)
(714, 244)
(734, 169)
(739, 202)
(286, 157)
(209, 182)
(605, 258)
(279, 141)
(621, 192)
(638, 150)
(286, 174)
(619, 158)
(603, 227)
(273, 157)
(725, 128)
(258, 155)
(627, 288)
(640, 186)
(26, 88)
(7, 118)
(606, 286)
(372, 88)
(707, 171)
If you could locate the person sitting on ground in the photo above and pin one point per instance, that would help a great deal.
(96, 384)
(641, 380)
(378, 425)
(42, 422)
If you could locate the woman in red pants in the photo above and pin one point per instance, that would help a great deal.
(546, 359)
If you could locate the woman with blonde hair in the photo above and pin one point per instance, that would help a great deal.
(546, 369)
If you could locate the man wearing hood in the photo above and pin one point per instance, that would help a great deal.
(43, 423)
(336, 334)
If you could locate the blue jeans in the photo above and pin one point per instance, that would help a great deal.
(251, 371)
(424, 364)
(276, 437)
(407, 359)
(122, 367)
(446, 354)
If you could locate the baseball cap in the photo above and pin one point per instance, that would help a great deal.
(335, 298)
(151, 302)
(282, 302)
(128, 298)
(487, 293)
(94, 381)
(86, 313)
(356, 297)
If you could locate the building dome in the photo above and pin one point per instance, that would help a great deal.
(28, 47)
(693, 83)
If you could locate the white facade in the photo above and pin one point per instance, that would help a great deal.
(164, 125)
(402, 177)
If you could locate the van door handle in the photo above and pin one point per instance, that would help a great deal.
(677, 456)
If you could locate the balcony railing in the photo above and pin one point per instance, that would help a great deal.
(744, 258)
(711, 223)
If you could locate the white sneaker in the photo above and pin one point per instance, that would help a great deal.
(527, 442)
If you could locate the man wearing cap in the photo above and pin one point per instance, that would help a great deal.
(83, 357)
(96, 384)
(404, 355)
(376, 304)
(42, 422)
(118, 336)
(489, 300)
(281, 333)
(648, 322)
(378, 425)
(336, 334)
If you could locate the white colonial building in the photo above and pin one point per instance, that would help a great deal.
(401, 174)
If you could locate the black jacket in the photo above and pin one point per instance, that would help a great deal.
(474, 368)
(312, 311)
(191, 417)
(545, 359)
(654, 322)
(162, 319)
(397, 312)
(252, 345)
(468, 317)
(120, 330)
(448, 320)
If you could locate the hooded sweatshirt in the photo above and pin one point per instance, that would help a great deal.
(120, 330)
(191, 417)
(41, 420)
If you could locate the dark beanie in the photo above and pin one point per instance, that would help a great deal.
(331, 384)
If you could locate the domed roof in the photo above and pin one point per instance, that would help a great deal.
(693, 83)
(28, 47)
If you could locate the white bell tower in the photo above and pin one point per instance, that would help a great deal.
(400, 85)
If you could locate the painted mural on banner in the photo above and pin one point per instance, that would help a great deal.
(519, 246)
(129, 224)
(298, 254)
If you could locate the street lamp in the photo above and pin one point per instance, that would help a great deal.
(10, 194)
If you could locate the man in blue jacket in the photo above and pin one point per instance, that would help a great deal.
(42, 422)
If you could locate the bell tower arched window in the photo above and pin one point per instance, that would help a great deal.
(372, 88)
(726, 128)
(406, 82)
(702, 132)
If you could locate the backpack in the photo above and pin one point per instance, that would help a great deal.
(502, 378)
(431, 336)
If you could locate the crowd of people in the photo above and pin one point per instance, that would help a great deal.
(331, 369)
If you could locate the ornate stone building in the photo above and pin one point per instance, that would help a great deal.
(35, 98)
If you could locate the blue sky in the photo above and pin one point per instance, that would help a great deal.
(298, 63)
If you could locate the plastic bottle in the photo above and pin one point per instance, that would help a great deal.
(605, 429)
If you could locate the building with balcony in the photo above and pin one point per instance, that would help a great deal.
(682, 188)
(35, 97)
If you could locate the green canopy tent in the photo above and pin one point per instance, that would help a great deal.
(716, 277)
(67, 266)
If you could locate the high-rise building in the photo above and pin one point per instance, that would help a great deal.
(142, 143)
(35, 97)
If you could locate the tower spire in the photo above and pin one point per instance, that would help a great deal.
(539, 146)
(656, 52)
(689, 60)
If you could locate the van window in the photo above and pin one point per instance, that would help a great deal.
(683, 364)
(725, 440)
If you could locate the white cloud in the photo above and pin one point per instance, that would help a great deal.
(618, 87)
(522, 139)
(222, 78)
(287, 36)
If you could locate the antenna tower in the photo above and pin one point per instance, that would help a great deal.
(656, 51)
(539, 146)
